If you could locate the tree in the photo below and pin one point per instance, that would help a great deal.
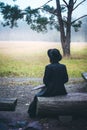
(42, 18)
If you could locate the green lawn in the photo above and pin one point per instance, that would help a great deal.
(33, 65)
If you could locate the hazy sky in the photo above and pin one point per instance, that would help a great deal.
(82, 9)
(23, 32)
(24, 3)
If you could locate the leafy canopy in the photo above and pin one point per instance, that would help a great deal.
(39, 19)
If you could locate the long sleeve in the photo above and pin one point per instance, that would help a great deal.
(47, 76)
(65, 75)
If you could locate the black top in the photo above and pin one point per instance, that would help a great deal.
(54, 78)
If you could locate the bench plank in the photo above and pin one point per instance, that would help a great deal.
(84, 75)
(8, 104)
(70, 104)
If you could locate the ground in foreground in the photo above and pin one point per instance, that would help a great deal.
(19, 119)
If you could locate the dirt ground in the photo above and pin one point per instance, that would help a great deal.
(22, 90)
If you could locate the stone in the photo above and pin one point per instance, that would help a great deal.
(35, 125)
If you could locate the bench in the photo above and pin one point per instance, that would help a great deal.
(8, 104)
(70, 104)
(84, 75)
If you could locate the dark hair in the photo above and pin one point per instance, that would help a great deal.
(54, 55)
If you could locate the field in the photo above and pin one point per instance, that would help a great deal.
(28, 59)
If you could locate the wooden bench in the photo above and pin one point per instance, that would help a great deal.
(70, 104)
(8, 104)
(84, 75)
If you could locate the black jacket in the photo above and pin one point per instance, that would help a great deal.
(54, 78)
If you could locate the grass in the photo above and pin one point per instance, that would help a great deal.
(26, 60)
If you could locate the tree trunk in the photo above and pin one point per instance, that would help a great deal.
(70, 104)
(66, 48)
(65, 27)
(61, 24)
(66, 45)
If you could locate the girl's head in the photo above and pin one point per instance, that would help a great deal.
(54, 55)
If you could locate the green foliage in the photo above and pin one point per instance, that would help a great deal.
(39, 19)
(1, 5)
(49, 9)
(31, 14)
(14, 0)
(63, 8)
(77, 26)
(40, 24)
(11, 14)
(34, 19)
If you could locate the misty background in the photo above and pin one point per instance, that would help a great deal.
(24, 33)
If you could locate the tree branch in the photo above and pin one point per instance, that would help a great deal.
(63, 5)
(78, 19)
(75, 1)
(79, 4)
(44, 4)
(65, 2)
(51, 12)
(41, 7)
